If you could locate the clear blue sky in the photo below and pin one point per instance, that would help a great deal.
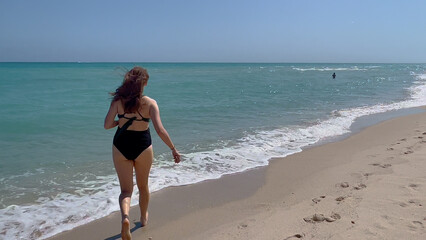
(213, 30)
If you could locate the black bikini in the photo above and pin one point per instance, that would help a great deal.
(131, 143)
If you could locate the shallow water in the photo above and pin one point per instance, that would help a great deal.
(223, 117)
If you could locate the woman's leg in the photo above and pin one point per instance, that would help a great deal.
(142, 167)
(124, 170)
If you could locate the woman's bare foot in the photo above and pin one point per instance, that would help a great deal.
(144, 221)
(125, 229)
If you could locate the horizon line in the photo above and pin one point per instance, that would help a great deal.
(213, 62)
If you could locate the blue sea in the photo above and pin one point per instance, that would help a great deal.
(56, 169)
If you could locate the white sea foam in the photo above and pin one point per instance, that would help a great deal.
(61, 213)
(354, 68)
(421, 77)
(67, 211)
(256, 149)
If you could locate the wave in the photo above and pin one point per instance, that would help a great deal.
(66, 211)
(257, 149)
(421, 77)
(354, 68)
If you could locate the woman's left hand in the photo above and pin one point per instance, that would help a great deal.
(176, 155)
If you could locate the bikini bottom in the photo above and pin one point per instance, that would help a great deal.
(132, 143)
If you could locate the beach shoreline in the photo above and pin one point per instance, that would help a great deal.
(225, 118)
(277, 201)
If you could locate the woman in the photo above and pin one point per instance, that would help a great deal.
(132, 142)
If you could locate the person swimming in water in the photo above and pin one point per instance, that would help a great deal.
(132, 147)
(334, 75)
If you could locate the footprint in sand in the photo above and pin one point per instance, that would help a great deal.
(408, 152)
(413, 186)
(317, 217)
(415, 202)
(341, 198)
(390, 149)
(317, 200)
(343, 184)
(242, 225)
(366, 175)
(416, 224)
(360, 186)
(245, 224)
(386, 165)
(295, 236)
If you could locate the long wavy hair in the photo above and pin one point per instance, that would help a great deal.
(131, 89)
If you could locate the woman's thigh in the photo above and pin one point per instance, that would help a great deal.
(143, 166)
(124, 170)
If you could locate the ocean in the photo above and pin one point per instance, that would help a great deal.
(56, 168)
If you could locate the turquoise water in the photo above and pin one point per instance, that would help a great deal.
(223, 117)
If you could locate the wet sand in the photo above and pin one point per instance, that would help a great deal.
(371, 185)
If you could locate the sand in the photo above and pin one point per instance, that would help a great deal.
(371, 185)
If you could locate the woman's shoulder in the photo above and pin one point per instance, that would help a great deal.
(117, 104)
(149, 101)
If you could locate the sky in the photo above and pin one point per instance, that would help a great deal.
(336, 31)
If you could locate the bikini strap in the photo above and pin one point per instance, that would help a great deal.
(140, 114)
(136, 119)
(143, 118)
(126, 125)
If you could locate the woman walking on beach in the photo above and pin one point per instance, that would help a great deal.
(132, 142)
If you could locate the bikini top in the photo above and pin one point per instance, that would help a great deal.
(133, 118)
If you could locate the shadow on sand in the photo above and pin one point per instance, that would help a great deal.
(118, 236)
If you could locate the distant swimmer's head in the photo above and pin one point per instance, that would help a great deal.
(138, 75)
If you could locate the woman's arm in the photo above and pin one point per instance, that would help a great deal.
(154, 113)
(110, 117)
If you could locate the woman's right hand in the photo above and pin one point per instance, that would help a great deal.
(176, 155)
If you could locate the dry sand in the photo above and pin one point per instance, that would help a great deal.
(371, 185)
